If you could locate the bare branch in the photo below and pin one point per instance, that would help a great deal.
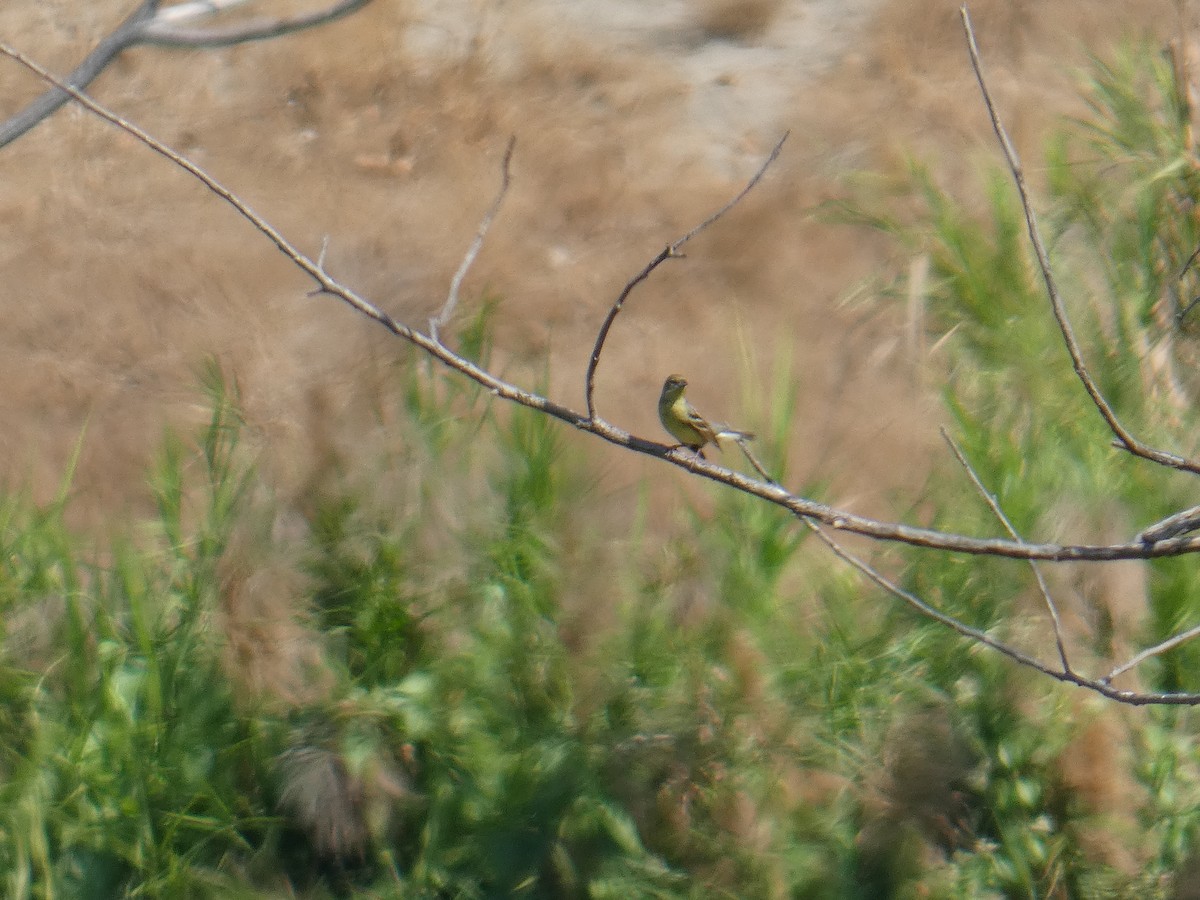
(160, 33)
(772, 493)
(149, 25)
(1179, 523)
(125, 35)
(443, 317)
(1100, 686)
(1124, 440)
(671, 251)
(990, 499)
(1168, 644)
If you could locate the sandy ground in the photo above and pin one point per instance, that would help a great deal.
(738, 65)
(384, 132)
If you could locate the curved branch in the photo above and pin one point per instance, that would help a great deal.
(126, 35)
(1099, 685)
(149, 25)
(160, 33)
(671, 251)
(1124, 439)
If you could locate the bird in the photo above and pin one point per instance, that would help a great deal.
(686, 425)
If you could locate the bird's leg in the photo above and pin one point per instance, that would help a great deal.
(697, 450)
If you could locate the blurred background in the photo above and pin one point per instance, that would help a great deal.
(383, 132)
(289, 611)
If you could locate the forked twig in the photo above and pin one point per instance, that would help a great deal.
(447, 310)
(671, 251)
(1169, 644)
(990, 499)
(1100, 686)
(1124, 439)
(161, 27)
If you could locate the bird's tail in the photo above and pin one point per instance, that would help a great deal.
(733, 435)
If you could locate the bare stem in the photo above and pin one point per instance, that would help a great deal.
(149, 25)
(1124, 439)
(671, 251)
(1100, 686)
(443, 317)
(990, 499)
(1168, 644)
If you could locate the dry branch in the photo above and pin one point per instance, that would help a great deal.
(994, 505)
(1099, 685)
(1124, 440)
(447, 310)
(671, 251)
(803, 507)
(162, 27)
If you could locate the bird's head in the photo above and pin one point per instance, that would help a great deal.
(674, 385)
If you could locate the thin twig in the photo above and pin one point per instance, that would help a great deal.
(149, 25)
(1100, 686)
(671, 251)
(1187, 265)
(125, 35)
(990, 499)
(1124, 439)
(443, 317)
(755, 462)
(1183, 313)
(1168, 644)
(1178, 523)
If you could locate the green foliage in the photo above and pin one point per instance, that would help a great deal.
(132, 772)
(1122, 186)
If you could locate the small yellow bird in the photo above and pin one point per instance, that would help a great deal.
(686, 425)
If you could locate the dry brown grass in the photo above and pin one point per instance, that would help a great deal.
(271, 653)
(121, 274)
(737, 19)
